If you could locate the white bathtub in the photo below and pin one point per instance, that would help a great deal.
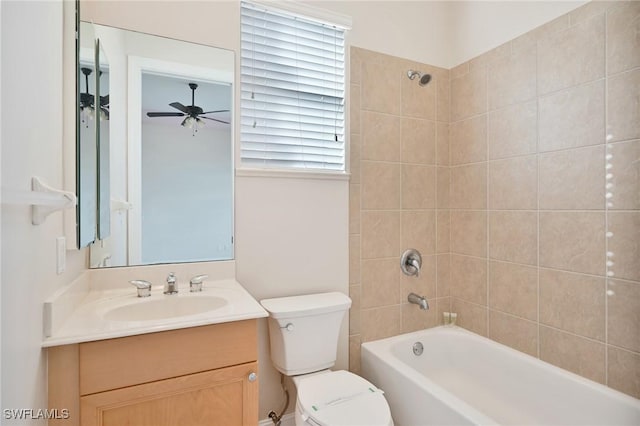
(463, 378)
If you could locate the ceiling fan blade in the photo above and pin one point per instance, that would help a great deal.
(104, 100)
(220, 110)
(165, 114)
(179, 107)
(214, 119)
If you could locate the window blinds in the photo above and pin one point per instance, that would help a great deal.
(292, 78)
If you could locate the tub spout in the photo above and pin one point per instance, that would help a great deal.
(418, 300)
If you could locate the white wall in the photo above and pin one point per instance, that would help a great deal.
(480, 26)
(186, 182)
(292, 234)
(31, 146)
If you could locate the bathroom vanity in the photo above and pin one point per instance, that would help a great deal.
(200, 375)
(120, 359)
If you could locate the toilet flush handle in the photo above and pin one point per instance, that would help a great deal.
(289, 326)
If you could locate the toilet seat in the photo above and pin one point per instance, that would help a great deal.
(341, 398)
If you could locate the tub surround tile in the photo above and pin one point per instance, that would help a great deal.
(442, 144)
(354, 312)
(443, 189)
(419, 101)
(573, 241)
(513, 184)
(573, 302)
(443, 102)
(419, 231)
(513, 236)
(623, 240)
(519, 130)
(514, 289)
(414, 318)
(468, 187)
(623, 44)
(381, 137)
(418, 141)
(355, 343)
(625, 175)
(589, 10)
(573, 353)
(512, 78)
(355, 65)
(469, 94)
(512, 131)
(515, 332)
(443, 231)
(379, 323)
(624, 314)
(354, 259)
(377, 68)
(418, 187)
(380, 283)
(354, 109)
(354, 209)
(380, 234)
(468, 139)
(424, 285)
(469, 279)
(443, 275)
(469, 232)
(490, 57)
(623, 108)
(355, 151)
(470, 316)
(380, 185)
(572, 57)
(572, 118)
(527, 40)
(572, 179)
(624, 371)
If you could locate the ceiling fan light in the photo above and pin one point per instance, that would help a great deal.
(200, 123)
(188, 122)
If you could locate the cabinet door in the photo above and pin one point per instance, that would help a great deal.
(218, 397)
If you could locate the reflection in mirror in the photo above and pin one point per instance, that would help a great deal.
(86, 139)
(102, 111)
(171, 151)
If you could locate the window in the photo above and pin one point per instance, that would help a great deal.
(292, 77)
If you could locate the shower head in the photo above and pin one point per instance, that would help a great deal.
(424, 78)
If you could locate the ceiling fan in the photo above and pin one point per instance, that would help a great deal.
(193, 114)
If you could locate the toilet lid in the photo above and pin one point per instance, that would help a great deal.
(342, 398)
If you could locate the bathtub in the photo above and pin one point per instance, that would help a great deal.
(462, 378)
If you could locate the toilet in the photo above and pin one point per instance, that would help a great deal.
(303, 331)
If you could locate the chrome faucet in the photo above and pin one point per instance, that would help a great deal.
(411, 262)
(418, 300)
(144, 287)
(170, 287)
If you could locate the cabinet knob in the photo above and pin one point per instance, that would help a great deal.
(252, 376)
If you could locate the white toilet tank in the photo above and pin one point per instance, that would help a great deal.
(304, 331)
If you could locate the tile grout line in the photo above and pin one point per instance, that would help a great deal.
(606, 210)
(537, 156)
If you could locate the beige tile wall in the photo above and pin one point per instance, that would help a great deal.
(517, 175)
(399, 195)
(545, 193)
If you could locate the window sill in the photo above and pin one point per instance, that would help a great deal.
(292, 174)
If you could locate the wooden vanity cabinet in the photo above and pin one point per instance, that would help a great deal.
(194, 376)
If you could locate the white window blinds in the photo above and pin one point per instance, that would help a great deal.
(292, 76)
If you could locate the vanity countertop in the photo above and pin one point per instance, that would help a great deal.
(96, 316)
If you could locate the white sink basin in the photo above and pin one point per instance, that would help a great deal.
(164, 308)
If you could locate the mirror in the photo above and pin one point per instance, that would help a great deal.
(102, 121)
(165, 153)
(86, 138)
